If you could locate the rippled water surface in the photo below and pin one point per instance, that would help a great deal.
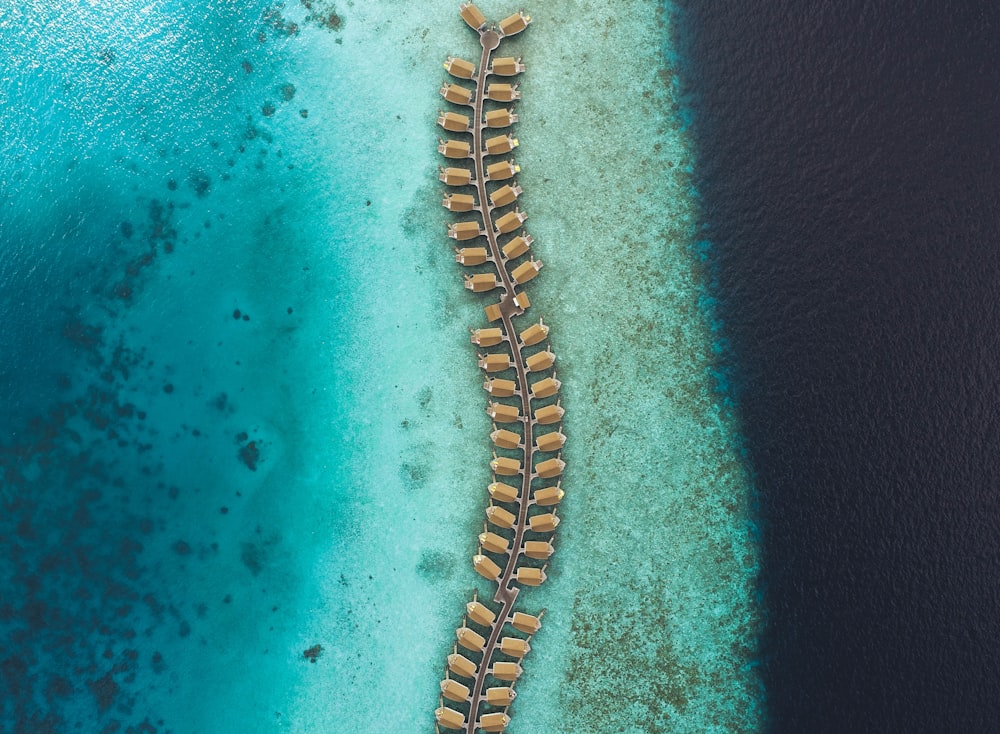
(849, 169)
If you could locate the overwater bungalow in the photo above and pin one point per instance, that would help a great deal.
(457, 94)
(502, 170)
(493, 312)
(499, 388)
(502, 413)
(510, 221)
(479, 612)
(471, 255)
(470, 639)
(461, 665)
(500, 144)
(540, 361)
(506, 66)
(514, 23)
(530, 576)
(481, 282)
(460, 67)
(494, 543)
(545, 388)
(538, 549)
(454, 148)
(550, 468)
(550, 441)
(548, 496)
(500, 517)
(473, 16)
(454, 691)
(526, 623)
(500, 118)
(534, 334)
(526, 271)
(486, 337)
(494, 722)
(494, 362)
(515, 647)
(454, 122)
(544, 523)
(449, 718)
(500, 696)
(505, 466)
(502, 92)
(506, 671)
(455, 176)
(464, 230)
(459, 203)
(485, 567)
(549, 414)
(502, 492)
(505, 439)
(517, 246)
(505, 195)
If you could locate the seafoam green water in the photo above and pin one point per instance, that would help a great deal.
(287, 157)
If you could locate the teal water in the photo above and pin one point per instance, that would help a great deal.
(241, 416)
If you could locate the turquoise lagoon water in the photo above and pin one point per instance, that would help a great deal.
(241, 416)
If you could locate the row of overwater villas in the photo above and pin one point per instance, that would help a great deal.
(518, 245)
(502, 671)
(506, 466)
(495, 91)
(500, 66)
(507, 223)
(502, 413)
(492, 542)
(485, 282)
(510, 25)
(496, 172)
(504, 519)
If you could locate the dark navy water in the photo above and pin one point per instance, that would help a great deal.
(849, 162)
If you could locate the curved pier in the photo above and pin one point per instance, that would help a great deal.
(521, 518)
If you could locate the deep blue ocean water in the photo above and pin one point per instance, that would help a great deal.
(849, 165)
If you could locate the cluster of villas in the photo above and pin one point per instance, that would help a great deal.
(519, 377)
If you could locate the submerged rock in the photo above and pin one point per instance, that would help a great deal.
(105, 690)
(323, 14)
(200, 182)
(250, 455)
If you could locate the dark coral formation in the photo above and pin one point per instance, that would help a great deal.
(249, 454)
(323, 14)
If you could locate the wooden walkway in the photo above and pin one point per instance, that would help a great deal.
(521, 517)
